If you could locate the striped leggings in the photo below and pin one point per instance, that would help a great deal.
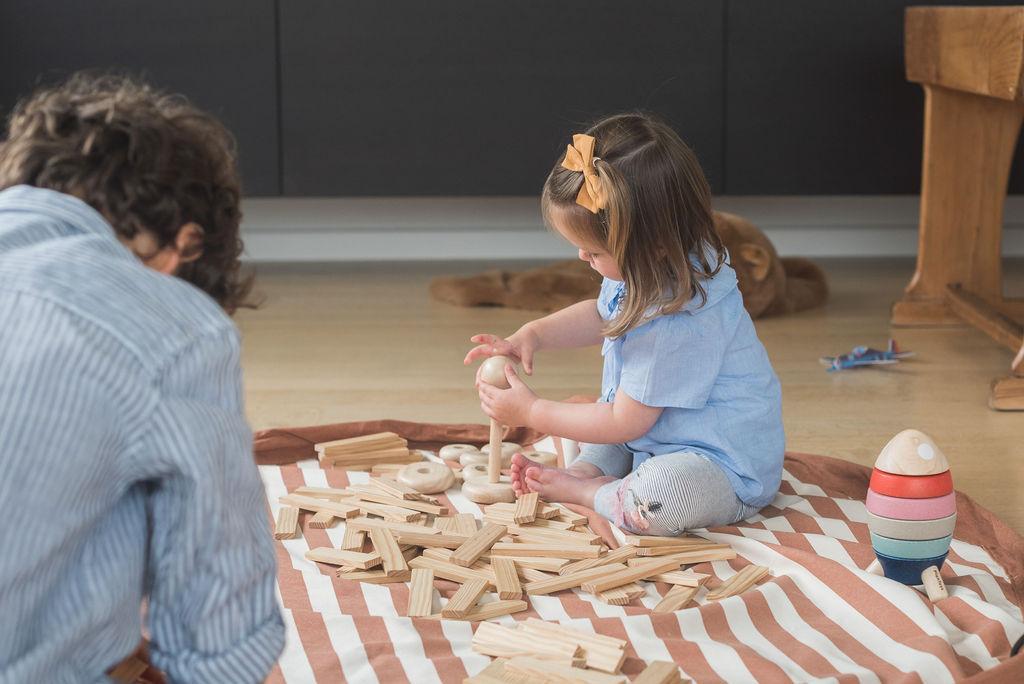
(666, 495)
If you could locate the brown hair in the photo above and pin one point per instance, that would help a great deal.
(148, 161)
(657, 222)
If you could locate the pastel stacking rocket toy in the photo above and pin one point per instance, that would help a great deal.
(911, 511)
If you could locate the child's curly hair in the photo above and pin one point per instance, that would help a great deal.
(148, 161)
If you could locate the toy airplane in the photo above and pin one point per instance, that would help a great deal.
(866, 356)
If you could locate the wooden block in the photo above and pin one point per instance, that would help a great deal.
(651, 551)
(680, 578)
(386, 469)
(421, 593)
(375, 576)
(933, 584)
(569, 516)
(420, 506)
(396, 489)
(361, 443)
(353, 539)
(526, 508)
(529, 574)
(677, 597)
(619, 555)
(600, 652)
(536, 563)
(463, 600)
(369, 523)
(547, 550)
(537, 670)
(321, 520)
(287, 523)
(432, 541)
(560, 582)
(465, 523)
(492, 674)
(475, 546)
(443, 523)
(495, 640)
(450, 571)
(355, 559)
(369, 458)
(546, 511)
(329, 493)
(392, 513)
(659, 672)
(641, 541)
(508, 519)
(620, 596)
(693, 557)
(738, 583)
(543, 535)
(506, 578)
(309, 503)
(391, 556)
(489, 611)
(627, 576)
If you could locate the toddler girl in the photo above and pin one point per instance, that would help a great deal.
(688, 430)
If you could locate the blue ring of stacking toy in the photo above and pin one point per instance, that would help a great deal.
(908, 570)
(905, 548)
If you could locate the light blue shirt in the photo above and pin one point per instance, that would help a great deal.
(706, 368)
(126, 466)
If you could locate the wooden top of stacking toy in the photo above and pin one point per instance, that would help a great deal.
(492, 371)
(912, 452)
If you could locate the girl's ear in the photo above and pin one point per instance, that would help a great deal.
(189, 242)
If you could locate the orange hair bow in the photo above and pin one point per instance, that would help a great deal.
(580, 157)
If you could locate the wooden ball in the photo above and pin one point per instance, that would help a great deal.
(492, 371)
(912, 452)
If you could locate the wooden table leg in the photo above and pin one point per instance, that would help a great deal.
(969, 141)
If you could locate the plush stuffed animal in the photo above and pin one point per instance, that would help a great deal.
(770, 285)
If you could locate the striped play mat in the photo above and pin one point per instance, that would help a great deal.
(817, 617)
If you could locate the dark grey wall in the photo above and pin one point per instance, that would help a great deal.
(221, 53)
(477, 97)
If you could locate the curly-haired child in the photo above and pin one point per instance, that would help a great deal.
(127, 463)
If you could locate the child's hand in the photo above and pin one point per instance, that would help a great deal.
(507, 406)
(520, 346)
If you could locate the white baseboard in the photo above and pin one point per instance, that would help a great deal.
(476, 228)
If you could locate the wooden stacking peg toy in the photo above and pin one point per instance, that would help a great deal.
(911, 512)
(494, 489)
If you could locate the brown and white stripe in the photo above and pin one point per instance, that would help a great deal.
(819, 617)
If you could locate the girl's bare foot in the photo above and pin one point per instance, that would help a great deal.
(573, 485)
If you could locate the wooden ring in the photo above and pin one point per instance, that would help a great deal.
(913, 550)
(468, 458)
(542, 457)
(451, 452)
(911, 529)
(427, 477)
(908, 571)
(911, 509)
(474, 471)
(483, 492)
(911, 486)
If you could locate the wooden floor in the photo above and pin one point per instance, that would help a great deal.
(361, 341)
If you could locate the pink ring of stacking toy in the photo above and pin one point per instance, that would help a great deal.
(911, 486)
(911, 509)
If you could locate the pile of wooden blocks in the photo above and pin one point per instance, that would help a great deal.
(530, 670)
(364, 452)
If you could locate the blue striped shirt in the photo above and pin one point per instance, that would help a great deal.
(126, 467)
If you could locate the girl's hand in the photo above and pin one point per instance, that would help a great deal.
(520, 346)
(510, 406)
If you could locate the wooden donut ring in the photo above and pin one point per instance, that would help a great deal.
(451, 452)
(474, 471)
(543, 457)
(427, 477)
(483, 492)
(468, 458)
(507, 449)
